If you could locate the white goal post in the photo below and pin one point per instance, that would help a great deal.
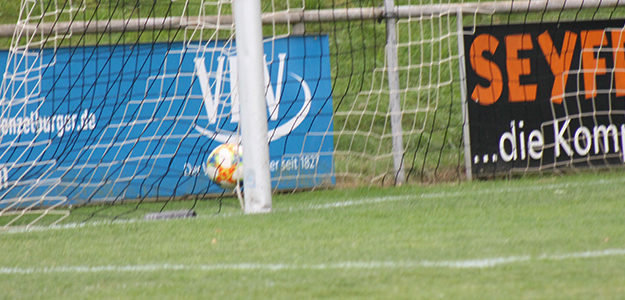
(256, 176)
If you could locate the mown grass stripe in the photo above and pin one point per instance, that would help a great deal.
(350, 203)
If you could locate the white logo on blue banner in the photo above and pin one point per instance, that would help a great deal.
(214, 99)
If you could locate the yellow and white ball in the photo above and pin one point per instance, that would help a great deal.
(225, 165)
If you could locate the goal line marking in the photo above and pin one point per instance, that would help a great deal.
(347, 265)
(453, 194)
(345, 203)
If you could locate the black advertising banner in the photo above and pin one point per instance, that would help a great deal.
(545, 96)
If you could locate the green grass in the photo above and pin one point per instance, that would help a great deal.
(359, 243)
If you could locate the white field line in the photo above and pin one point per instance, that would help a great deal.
(347, 265)
(456, 194)
(352, 202)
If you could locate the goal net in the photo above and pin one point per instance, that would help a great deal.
(107, 102)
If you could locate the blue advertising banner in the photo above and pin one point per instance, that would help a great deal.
(119, 122)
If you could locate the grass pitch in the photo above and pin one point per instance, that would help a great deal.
(558, 237)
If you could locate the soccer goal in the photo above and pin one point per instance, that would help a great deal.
(109, 102)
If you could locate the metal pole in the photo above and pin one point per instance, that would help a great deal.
(463, 96)
(249, 45)
(394, 106)
(308, 16)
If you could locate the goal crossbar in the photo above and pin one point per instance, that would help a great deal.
(299, 16)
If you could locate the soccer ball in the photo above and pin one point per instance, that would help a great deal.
(224, 165)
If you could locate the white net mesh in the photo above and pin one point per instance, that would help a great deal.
(111, 101)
